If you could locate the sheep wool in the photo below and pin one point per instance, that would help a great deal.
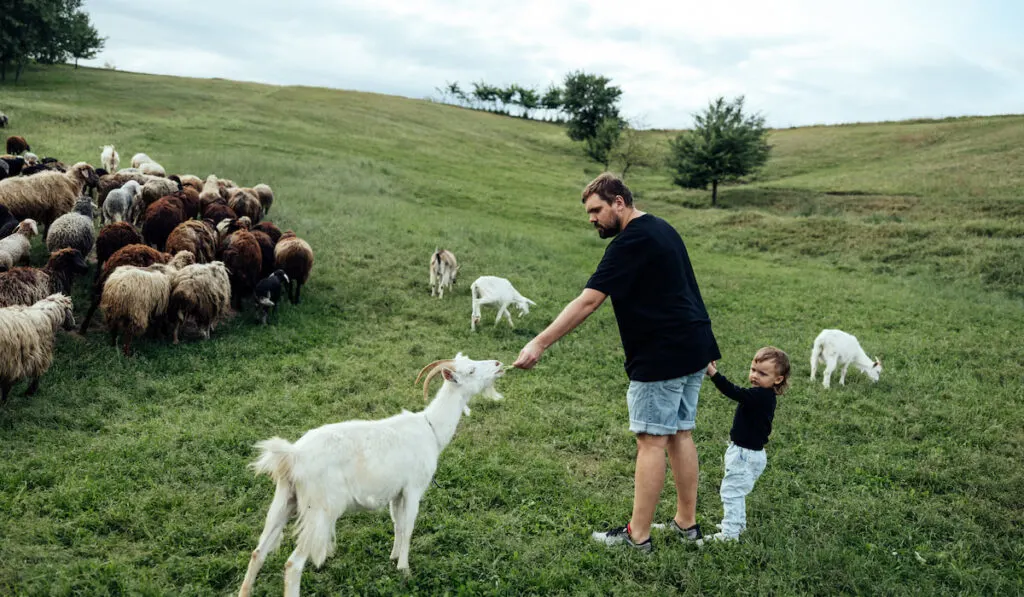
(27, 338)
(27, 285)
(295, 257)
(73, 230)
(201, 292)
(47, 195)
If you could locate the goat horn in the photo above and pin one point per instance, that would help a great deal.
(426, 381)
(442, 361)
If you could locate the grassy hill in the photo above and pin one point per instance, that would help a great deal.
(127, 476)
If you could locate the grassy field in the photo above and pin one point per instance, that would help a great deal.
(128, 476)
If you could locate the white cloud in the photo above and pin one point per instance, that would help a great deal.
(797, 61)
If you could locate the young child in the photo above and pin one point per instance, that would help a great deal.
(745, 458)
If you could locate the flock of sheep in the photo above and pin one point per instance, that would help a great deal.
(170, 250)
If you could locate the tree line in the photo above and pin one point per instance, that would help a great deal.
(725, 144)
(44, 31)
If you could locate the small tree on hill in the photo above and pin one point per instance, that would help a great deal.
(632, 149)
(83, 40)
(600, 145)
(724, 145)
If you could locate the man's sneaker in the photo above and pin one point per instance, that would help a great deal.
(691, 534)
(718, 538)
(620, 536)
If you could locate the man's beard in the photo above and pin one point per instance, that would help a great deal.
(612, 230)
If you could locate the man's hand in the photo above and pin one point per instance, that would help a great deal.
(712, 369)
(528, 356)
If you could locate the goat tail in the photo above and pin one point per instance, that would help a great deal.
(277, 459)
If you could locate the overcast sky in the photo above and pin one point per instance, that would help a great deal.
(798, 62)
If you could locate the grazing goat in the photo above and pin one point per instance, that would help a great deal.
(491, 290)
(361, 465)
(26, 340)
(110, 159)
(443, 271)
(835, 347)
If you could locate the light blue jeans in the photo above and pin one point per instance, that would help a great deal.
(742, 468)
(664, 407)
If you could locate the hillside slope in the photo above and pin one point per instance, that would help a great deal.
(128, 476)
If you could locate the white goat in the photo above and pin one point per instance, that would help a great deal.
(491, 290)
(109, 158)
(362, 465)
(443, 271)
(836, 347)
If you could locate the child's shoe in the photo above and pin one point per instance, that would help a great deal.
(718, 537)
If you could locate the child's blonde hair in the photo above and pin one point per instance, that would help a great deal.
(781, 360)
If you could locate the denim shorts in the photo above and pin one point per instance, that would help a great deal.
(664, 407)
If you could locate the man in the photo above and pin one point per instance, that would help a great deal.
(666, 335)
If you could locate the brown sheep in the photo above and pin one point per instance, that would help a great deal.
(17, 145)
(111, 238)
(138, 255)
(245, 203)
(244, 261)
(295, 257)
(28, 285)
(267, 251)
(219, 212)
(196, 236)
(267, 226)
(162, 217)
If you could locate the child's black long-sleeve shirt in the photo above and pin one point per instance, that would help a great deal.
(752, 423)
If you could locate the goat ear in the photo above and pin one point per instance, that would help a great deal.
(449, 375)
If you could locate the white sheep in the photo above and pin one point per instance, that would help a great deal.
(140, 159)
(133, 297)
(47, 195)
(443, 270)
(152, 169)
(15, 249)
(26, 340)
(110, 159)
(836, 347)
(491, 290)
(119, 202)
(361, 465)
(30, 158)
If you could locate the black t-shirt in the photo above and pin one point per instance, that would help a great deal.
(755, 411)
(664, 326)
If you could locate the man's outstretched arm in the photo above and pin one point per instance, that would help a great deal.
(571, 316)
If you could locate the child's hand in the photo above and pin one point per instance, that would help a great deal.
(712, 369)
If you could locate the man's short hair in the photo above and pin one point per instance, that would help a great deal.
(607, 186)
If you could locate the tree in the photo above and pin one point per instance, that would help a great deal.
(552, 99)
(632, 149)
(83, 39)
(47, 31)
(724, 145)
(528, 99)
(599, 146)
(589, 101)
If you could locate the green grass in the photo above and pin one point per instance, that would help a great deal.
(127, 476)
